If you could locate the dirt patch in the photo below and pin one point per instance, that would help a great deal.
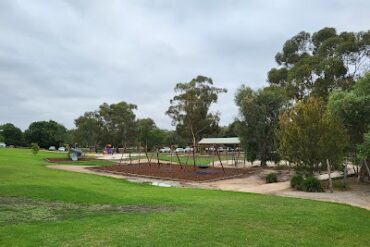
(175, 171)
(59, 160)
(16, 210)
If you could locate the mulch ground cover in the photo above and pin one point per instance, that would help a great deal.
(175, 171)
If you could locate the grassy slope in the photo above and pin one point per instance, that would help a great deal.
(200, 218)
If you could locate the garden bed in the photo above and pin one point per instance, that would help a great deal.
(175, 171)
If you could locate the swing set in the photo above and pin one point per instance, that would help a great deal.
(212, 147)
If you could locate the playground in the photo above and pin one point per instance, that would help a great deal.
(165, 170)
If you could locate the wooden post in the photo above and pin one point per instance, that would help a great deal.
(244, 158)
(238, 157)
(218, 155)
(194, 158)
(178, 159)
(171, 155)
(139, 152)
(345, 174)
(123, 152)
(329, 174)
(158, 157)
(146, 154)
(213, 157)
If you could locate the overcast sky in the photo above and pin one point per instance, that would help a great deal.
(59, 59)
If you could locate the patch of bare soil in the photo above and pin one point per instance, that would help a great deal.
(175, 171)
(14, 210)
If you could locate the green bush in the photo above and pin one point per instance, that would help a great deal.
(271, 177)
(281, 167)
(312, 184)
(35, 148)
(340, 185)
(297, 182)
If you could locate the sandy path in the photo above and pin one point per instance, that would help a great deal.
(358, 196)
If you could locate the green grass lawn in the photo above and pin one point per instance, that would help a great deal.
(44, 207)
(86, 163)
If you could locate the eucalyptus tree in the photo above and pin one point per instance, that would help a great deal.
(259, 114)
(89, 129)
(352, 107)
(189, 109)
(363, 153)
(315, 65)
(119, 122)
(110, 124)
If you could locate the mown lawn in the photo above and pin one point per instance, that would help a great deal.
(44, 207)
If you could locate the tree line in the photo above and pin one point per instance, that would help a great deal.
(314, 113)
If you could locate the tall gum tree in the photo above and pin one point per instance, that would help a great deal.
(189, 109)
(352, 107)
(315, 65)
(258, 121)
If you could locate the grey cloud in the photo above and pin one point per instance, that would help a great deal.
(59, 59)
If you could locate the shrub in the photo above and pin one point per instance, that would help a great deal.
(35, 148)
(271, 177)
(281, 167)
(312, 184)
(297, 182)
(340, 185)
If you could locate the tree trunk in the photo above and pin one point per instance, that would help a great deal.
(194, 147)
(345, 175)
(367, 168)
(329, 174)
(263, 163)
(360, 178)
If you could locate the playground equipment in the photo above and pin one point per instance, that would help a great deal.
(74, 154)
(225, 150)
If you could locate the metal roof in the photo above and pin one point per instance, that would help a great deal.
(227, 140)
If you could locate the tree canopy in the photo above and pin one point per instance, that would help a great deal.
(118, 121)
(352, 107)
(11, 135)
(189, 109)
(259, 114)
(315, 65)
(309, 135)
(46, 133)
(112, 124)
(89, 129)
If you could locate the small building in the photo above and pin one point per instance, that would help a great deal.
(220, 141)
